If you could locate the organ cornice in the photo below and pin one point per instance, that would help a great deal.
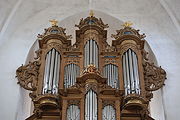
(54, 32)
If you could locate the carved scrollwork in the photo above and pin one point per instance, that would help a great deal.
(154, 76)
(91, 69)
(74, 102)
(92, 21)
(27, 75)
(38, 54)
(108, 102)
(110, 49)
(128, 31)
(92, 86)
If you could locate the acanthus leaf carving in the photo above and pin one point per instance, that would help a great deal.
(27, 75)
(154, 76)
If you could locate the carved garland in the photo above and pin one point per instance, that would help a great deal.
(27, 75)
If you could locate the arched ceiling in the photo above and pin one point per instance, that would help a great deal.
(22, 20)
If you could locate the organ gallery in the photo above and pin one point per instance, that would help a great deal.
(91, 80)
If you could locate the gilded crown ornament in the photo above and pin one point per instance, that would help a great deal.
(127, 24)
(53, 22)
(91, 13)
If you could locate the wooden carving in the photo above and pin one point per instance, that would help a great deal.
(108, 102)
(91, 69)
(28, 75)
(92, 21)
(154, 76)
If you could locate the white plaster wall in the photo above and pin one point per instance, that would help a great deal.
(30, 17)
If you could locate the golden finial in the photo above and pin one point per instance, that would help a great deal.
(91, 13)
(127, 24)
(53, 22)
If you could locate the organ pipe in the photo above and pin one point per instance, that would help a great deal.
(71, 72)
(111, 73)
(130, 72)
(91, 105)
(73, 112)
(108, 113)
(91, 53)
(51, 71)
(51, 74)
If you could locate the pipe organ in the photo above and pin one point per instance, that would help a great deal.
(73, 112)
(91, 105)
(91, 80)
(130, 72)
(71, 72)
(91, 53)
(111, 73)
(51, 72)
(109, 113)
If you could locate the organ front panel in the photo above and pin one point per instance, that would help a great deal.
(91, 80)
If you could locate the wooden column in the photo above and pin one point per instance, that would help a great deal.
(64, 109)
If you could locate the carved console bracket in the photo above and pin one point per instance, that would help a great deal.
(135, 101)
(154, 76)
(28, 75)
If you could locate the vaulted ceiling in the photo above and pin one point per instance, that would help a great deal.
(22, 20)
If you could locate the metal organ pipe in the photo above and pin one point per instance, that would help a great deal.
(71, 72)
(108, 113)
(136, 73)
(55, 72)
(51, 71)
(91, 53)
(124, 76)
(130, 72)
(46, 73)
(51, 74)
(111, 73)
(73, 112)
(91, 105)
